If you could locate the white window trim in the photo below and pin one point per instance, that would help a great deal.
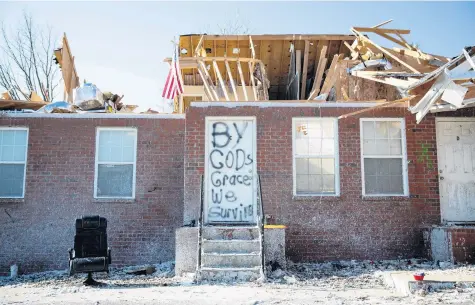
(17, 162)
(96, 165)
(405, 178)
(336, 156)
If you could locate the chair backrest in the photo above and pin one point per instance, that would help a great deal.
(91, 237)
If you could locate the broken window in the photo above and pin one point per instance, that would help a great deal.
(115, 162)
(13, 148)
(315, 156)
(384, 157)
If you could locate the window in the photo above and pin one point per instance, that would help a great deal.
(383, 151)
(315, 149)
(115, 163)
(13, 148)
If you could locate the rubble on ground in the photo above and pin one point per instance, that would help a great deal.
(336, 278)
(162, 275)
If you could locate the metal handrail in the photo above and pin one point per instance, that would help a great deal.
(261, 220)
(200, 230)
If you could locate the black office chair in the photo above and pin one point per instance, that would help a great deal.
(90, 253)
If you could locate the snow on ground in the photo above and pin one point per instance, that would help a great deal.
(342, 282)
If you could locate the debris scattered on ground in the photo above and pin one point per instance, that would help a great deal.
(162, 275)
(340, 282)
(142, 270)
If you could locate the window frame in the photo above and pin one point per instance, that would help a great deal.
(405, 179)
(96, 161)
(18, 162)
(336, 156)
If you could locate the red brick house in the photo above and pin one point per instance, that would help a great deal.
(61, 165)
(346, 185)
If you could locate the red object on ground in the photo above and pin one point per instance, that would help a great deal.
(418, 277)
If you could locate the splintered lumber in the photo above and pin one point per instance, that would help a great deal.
(321, 64)
(405, 42)
(68, 70)
(382, 23)
(415, 54)
(388, 37)
(241, 76)
(253, 82)
(353, 51)
(34, 97)
(16, 104)
(382, 105)
(231, 80)
(304, 71)
(331, 77)
(363, 38)
(318, 78)
(198, 47)
(298, 70)
(264, 81)
(208, 92)
(374, 30)
(220, 78)
(251, 45)
(207, 79)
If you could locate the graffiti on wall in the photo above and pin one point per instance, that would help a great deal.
(230, 171)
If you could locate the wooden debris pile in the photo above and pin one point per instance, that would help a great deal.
(432, 83)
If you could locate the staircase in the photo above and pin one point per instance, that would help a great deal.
(232, 252)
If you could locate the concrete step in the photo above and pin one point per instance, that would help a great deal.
(228, 233)
(230, 274)
(231, 246)
(235, 260)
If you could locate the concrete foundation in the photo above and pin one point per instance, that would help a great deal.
(186, 250)
(186, 244)
(274, 247)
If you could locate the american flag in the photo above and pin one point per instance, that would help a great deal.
(174, 82)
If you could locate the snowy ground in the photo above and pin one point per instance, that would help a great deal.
(344, 282)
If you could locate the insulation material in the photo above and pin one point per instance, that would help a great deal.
(375, 63)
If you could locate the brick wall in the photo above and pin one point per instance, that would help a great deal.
(326, 228)
(463, 244)
(37, 232)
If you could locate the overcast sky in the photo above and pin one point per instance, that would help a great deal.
(120, 46)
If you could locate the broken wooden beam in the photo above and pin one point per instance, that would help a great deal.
(382, 23)
(363, 38)
(374, 30)
(241, 76)
(304, 71)
(382, 105)
(331, 77)
(231, 80)
(208, 79)
(220, 78)
(253, 82)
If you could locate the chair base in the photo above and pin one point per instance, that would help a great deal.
(91, 282)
